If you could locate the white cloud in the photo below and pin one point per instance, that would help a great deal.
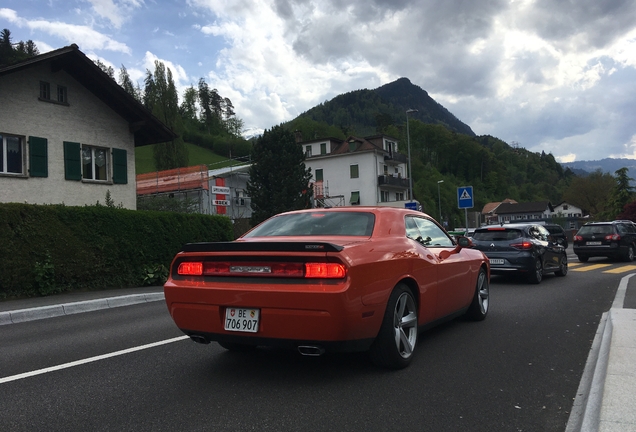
(117, 13)
(551, 76)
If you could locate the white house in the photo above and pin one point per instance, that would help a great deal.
(357, 171)
(567, 211)
(68, 132)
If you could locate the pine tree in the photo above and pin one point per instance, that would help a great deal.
(622, 194)
(279, 180)
(162, 99)
(126, 83)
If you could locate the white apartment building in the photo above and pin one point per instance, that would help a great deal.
(357, 171)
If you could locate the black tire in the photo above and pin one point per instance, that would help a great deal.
(629, 255)
(563, 266)
(237, 347)
(582, 258)
(394, 346)
(478, 309)
(536, 274)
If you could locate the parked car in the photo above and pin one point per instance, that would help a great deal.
(558, 233)
(616, 240)
(337, 279)
(522, 248)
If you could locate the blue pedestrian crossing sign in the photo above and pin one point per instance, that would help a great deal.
(465, 197)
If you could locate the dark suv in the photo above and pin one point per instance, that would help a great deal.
(558, 233)
(616, 240)
(521, 248)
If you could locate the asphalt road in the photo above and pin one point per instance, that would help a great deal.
(516, 371)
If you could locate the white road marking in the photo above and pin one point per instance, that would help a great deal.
(88, 360)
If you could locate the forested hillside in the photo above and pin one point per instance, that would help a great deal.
(442, 147)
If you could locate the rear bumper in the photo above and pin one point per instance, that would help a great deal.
(288, 318)
(611, 250)
(519, 263)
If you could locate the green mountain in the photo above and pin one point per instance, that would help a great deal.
(366, 112)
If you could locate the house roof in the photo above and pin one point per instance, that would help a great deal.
(147, 128)
(492, 206)
(224, 172)
(528, 207)
(362, 144)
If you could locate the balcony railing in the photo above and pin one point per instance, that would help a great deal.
(396, 157)
(389, 180)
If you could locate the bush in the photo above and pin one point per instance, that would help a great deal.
(55, 248)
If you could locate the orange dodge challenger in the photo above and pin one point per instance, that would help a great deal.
(338, 279)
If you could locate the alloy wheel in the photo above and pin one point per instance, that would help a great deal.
(405, 325)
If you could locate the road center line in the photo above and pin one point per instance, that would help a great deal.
(89, 360)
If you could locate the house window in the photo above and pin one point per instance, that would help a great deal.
(94, 163)
(323, 148)
(62, 95)
(399, 196)
(386, 170)
(11, 154)
(353, 171)
(45, 90)
(355, 198)
(319, 174)
(384, 196)
(308, 151)
(352, 146)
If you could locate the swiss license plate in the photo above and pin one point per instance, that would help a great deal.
(242, 320)
(496, 261)
(593, 243)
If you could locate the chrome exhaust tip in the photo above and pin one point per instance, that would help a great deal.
(311, 350)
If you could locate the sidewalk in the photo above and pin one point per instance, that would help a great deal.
(17, 311)
(606, 397)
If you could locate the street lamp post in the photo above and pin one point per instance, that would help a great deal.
(408, 141)
(439, 200)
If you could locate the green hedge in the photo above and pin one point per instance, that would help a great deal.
(46, 249)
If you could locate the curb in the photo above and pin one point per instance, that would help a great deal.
(586, 410)
(24, 315)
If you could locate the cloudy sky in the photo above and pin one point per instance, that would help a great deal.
(552, 75)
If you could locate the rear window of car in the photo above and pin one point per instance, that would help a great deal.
(317, 224)
(497, 234)
(596, 229)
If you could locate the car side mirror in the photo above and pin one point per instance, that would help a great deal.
(464, 242)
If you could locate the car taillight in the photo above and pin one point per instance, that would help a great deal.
(190, 269)
(220, 268)
(525, 245)
(324, 270)
(613, 237)
(578, 238)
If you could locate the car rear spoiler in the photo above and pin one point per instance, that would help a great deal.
(262, 246)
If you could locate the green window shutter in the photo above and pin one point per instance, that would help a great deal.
(72, 161)
(120, 166)
(353, 171)
(38, 157)
(319, 175)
